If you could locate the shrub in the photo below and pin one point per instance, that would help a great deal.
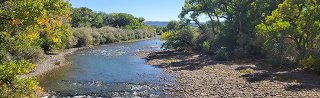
(206, 46)
(170, 40)
(311, 62)
(167, 35)
(181, 39)
(11, 85)
(281, 53)
(82, 37)
(222, 54)
(96, 36)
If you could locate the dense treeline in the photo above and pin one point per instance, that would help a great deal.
(286, 32)
(31, 28)
(95, 28)
(85, 17)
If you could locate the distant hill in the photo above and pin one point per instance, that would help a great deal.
(162, 23)
(156, 23)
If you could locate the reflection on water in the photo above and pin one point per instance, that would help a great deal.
(110, 71)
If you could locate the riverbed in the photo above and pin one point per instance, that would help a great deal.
(113, 70)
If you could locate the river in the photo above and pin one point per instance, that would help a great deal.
(112, 70)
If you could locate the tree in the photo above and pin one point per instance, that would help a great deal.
(98, 20)
(298, 21)
(237, 30)
(82, 17)
(173, 25)
(292, 31)
(123, 19)
(25, 26)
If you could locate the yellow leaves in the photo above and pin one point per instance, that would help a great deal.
(16, 22)
(167, 35)
(39, 90)
(34, 35)
(56, 40)
(42, 21)
(48, 28)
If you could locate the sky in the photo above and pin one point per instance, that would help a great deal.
(151, 10)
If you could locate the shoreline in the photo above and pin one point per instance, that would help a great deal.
(199, 75)
(51, 62)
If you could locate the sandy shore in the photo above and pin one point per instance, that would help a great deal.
(201, 76)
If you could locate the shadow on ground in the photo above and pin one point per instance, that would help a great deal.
(179, 60)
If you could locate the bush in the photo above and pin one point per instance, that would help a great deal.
(206, 46)
(282, 54)
(82, 37)
(96, 36)
(310, 61)
(11, 85)
(181, 39)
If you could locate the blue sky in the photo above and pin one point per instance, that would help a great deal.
(151, 10)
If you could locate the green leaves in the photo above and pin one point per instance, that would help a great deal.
(292, 31)
(11, 85)
(85, 17)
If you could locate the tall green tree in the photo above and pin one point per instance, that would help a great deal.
(296, 24)
(82, 17)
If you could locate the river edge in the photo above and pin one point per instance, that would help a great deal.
(51, 62)
(201, 76)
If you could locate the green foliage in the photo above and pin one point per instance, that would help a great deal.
(27, 29)
(159, 30)
(41, 21)
(85, 17)
(82, 37)
(285, 31)
(173, 25)
(123, 19)
(206, 45)
(310, 62)
(291, 31)
(12, 86)
(182, 39)
(167, 35)
(82, 17)
(237, 31)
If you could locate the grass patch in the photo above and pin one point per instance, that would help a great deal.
(208, 69)
(285, 79)
(247, 71)
(171, 60)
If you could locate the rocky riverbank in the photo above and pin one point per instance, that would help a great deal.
(51, 62)
(202, 76)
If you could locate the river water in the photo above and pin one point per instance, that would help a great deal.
(112, 70)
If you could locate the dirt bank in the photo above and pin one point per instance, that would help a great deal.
(201, 76)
